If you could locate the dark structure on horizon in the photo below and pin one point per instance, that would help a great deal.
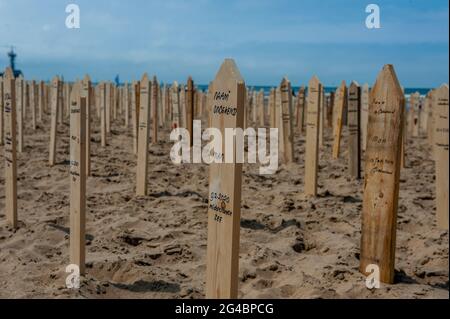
(12, 63)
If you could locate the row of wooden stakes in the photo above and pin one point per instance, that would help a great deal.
(377, 121)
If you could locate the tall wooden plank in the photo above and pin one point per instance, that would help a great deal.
(41, 103)
(175, 99)
(126, 102)
(382, 173)
(20, 103)
(33, 101)
(135, 101)
(364, 114)
(341, 97)
(154, 109)
(301, 109)
(288, 130)
(225, 182)
(441, 155)
(1, 112)
(55, 109)
(143, 139)
(312, 136)
(272, 107)
(354, 130)
(190, 108)
(322, 115)
(103, 111)
(279, 124)
(108, 105)
(86, 94)
(9, 114)
(77, 177)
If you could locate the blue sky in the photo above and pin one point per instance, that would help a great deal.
(267, 39)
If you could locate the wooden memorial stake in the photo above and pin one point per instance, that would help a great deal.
(77, 177)
(1, 111)
(86, 94)
(108, 105)
(312, 136)
(20, 111)
(261, 112)
(286, 106)
(416, 115)
(190, 109)
(143, 139)
(41, 102)
(364, 114)
(126, 102)
(279, 124)
(135, 102)
(382, 173)
(55, 109)
(225, 182)
(175, 98)
(354, 130)
(340, 105)
(9, 113)
(154, 109)
(330, 110)
(301, 109)
(272, 107)
(33, 102)
(103, 111)
(322, 115)
(440, 111)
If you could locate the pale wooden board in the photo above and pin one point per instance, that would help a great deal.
(382, 173)
(9, 114)
(279, 125)
(301, 109)
(321, 116)
(340, 98)
(441, 154)
(154, 109)
(312, 136)
(103, 111)
(225, 182)
(287, 118)
(190, 108)
(364, 114)
(55, 109)
(175, 99)
(143, 136)
(20, 106)
(86, 93)
(77, 177)
(354, 130)
(1, 112)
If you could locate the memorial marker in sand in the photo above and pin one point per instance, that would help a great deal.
(339, 107)
(364, 114)
(312, 136)
(20, 106)
(225, 182)
(55, 109)
(143, 136)
(103, 111)
(354, 130)
(440, 111)
(382, 173)
(1, 111)
(9, 115)
(86, 94)
(286, 109)
(190, 109)
(154, 109)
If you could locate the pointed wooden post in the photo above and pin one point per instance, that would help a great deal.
(9, 114)
(225, 182)
(301, 109)
(322, 115)
(440, 138)
(330, 110)
(272, 107)
(77, 177)
(20, 103)
(154, 109)
(135, 106)
(126, 102)
(338, 118)
(143, 139)
(103, 111)
(286, 106)
(364, 114)
(86, 94)
(190, 108)
(312, 136)
(382, 173)
(33, 101)
(430, 122)
(175, 98)
(279, 124)
(261, 113)
(55, 109)
(354, 130)
(41, 102)
(1, 112)
(108, 104)
(182, 102)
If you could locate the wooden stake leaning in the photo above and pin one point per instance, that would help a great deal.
(288, 130)
(354, 130)
(338, 118)
(312, 136)
(440, 138)
(77, 177)
(9, 114)
(55, 109)
(225, 182)
(382, 173)
(143, 139)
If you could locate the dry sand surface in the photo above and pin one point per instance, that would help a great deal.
(155, 246)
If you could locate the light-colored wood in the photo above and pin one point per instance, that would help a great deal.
(135, 100)
(330, 109)
(341, 97)
(87, 95)
(190, 108)
(103, 111)
(440, 108)
(288, 129)
(354, 130)
(272, 108)
(254, 107)
(182, 102)
(279, 124)
(154, 110)
(9, 114)
(175, 99)
(404, 134)
(301, 98)
(20, 105)
(77, 177)
(430, 117)
(322, 115)
(41, 103)
(109, 106)
(33, 101)
(143, 139)
(61, 102)
(126, 104)
(261, 113)
(364, 114)
(413, 118)
(55, 109)
(1, 112)
(225, 182)
(382, 173)
(312, 136)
